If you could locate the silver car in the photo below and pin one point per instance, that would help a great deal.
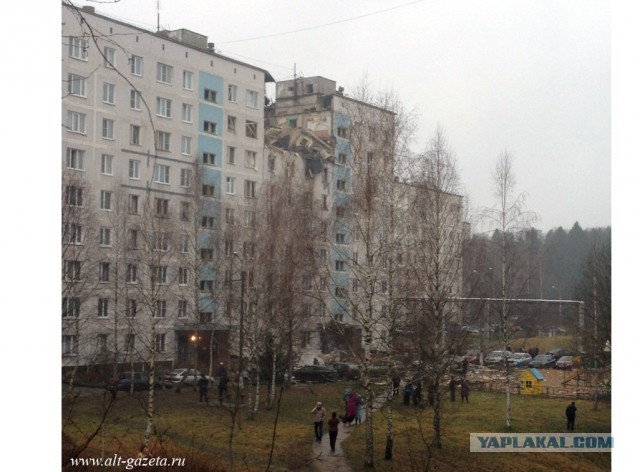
(184, 376)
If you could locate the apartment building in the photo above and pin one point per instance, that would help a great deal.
(162, 141)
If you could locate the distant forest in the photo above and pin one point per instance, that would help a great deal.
(561, 265)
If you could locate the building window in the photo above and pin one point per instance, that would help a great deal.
(205, 317)
(69, 345)
(206, 285)
(131, 308)
(231, 185)
(107, 128)
(75, 159)
(341, 185)
(208, 222)
(206, 254)
(136, 100)
(164, 73)
(250, 189)
(77, 85)
(341, 266)
(78, 48)
(342, 158)
(103, 272)
(341, 238)
(136, 65)
(354, 258)
(102, 345)
(209, 159)
(109, 93)
(231, 155)
(187, 80)
(132, 240)
(306, 283)
(183, 306)
(134, 131)
(185, 178)
(383, 286)
(187, 113)
(342, 132)
(249, 250)
(70, 307)
(103, 307)
(106, 164)
(105, 200)
(341, 211)
(160, 241)
(250, 218)
(323, 255)
(163, 107)
(231, 124)
(185, 211)
(229, 215)
(162, 207)
(129, 342)
(109, 57)
(208, 190)
(131, 274)
(369, 158)
(250, 159)
(232, 93)
(252, 129)
(160, 309)
(355, 284)
(183, 276)
(184, 243)
(134, 169)
(210, 127)
(340, 292)
(72, 234)
(161, 174)
(210, 96)
(252, 99)
(159, 275)
(163, 141)
(105, 236)
(160, 342)
(72, 271)
(77, 122)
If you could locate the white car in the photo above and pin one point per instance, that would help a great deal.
(496, 357)
(519, 359)
(185, 376)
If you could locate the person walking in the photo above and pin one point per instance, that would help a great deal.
(408, 392)
(571, 416)
(345, 396)
(464, 390)
(452, 389)
(352, 408)
(318, 420)
(203, 387)
(222, 382)
(333, 430)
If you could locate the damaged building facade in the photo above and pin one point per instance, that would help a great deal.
(196, 220)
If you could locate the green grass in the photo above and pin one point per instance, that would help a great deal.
(186, 428)
(485, 413)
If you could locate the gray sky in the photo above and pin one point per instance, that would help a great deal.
(531, 77)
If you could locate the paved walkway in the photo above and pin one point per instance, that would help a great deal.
(324, 459)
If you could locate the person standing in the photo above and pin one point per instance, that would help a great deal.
(396, 383)
(408, 392)
(318, 420)
(345, 396)
(571, 416)
(464, 390)
(452, 389)
(359, 406)
(333, 430)
(203, 387)
(352, 408)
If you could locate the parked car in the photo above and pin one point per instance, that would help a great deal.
(184, 376)
(519, 359)
(347, 371)
(315, 373)
(557, 353)
(565, 362)
(496, 357)
(470, 329)
(473, 356)
(139, 379)
(542, 360)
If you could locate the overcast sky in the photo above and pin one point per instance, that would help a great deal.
(530, 77)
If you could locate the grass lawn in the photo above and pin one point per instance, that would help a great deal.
(484, 413)
(200, 433)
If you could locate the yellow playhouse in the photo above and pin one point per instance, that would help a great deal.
(531, 382)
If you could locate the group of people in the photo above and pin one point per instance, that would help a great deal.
(465, 388)
(353, 403)
(203, 384)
